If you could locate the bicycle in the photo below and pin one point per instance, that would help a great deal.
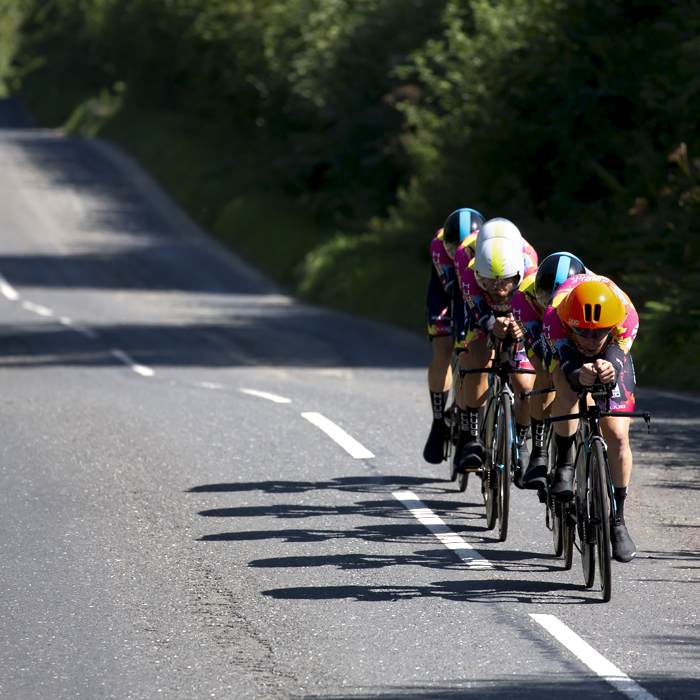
(498, 435)
(590, 513)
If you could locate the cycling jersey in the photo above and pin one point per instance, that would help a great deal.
(444, 316)
(479, 306)
(442, 262)
(570, 356)
(528, 313)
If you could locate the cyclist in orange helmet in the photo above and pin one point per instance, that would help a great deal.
(590, 326)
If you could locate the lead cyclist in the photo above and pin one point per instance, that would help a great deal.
(590, 327)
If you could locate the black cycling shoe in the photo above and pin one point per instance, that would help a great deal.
(435, 449)
(472, 456)
(535, 476)
(623, 548)
(563, 483)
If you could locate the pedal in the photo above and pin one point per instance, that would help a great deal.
(542, 495)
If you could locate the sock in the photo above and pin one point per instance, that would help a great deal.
(565, 450)
(439, 401)
(473, 422)
(538, 433)
(620, 494)
(521, 432)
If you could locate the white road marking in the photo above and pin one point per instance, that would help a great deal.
(442, 531)
(595, 661)
(348, 443)
(139, 369)
(7, 290)
(64, 320)
(265, 395)
(37, 308)
(209, 385)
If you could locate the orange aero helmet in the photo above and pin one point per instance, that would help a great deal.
(592, 305)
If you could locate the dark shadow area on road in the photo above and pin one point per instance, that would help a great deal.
(526, 687)
(460, 591)
(355, 484)
(367, 509)
(431, 559)
(302, 338)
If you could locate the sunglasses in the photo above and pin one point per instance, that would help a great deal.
(596, 333)
(488, 283)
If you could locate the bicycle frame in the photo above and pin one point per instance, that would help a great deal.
(592, 531)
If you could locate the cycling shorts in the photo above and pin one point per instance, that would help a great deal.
(438, 308)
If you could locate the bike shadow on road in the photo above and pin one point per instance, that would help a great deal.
(481, 590)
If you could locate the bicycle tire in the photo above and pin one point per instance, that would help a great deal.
(555, 509)
(504, 461)
(463, 480)
(583, 514)
(489, 435)
(568, 536)
(601, 512)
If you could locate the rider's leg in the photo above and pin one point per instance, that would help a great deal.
(439, 382)
(536, 473)
(565, 402)
(521, 383)
(475, 390)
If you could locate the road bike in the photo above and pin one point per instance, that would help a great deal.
(499, 437)
(589, 515)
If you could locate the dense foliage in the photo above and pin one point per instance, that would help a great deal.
(575, 118)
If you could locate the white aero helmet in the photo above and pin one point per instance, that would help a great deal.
(499, 228)
(499, 258)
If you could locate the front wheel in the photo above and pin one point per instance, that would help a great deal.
(583, 515)
(600, 513)
(504, 462)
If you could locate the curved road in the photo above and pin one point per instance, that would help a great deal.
(175, 521)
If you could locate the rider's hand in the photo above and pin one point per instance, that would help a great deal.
(605, 371)
(588, 375)
(501, 326)
(515, 330)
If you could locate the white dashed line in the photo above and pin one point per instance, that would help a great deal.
(209, 385)
(595, 661)
(64, 320)
(37, 308)
(139, 369)
(348, 443)
(7, 290)
(265, 395)
(442, 531)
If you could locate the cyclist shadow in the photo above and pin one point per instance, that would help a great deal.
(476, 591)
(358, 484)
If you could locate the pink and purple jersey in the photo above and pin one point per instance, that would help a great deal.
(570, 356)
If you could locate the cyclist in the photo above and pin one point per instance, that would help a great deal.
(529, 304)
(487, 284)
(445, 320)
(590, 327)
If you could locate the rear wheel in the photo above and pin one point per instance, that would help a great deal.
(567, 537)
(504, 463)
(600, 513)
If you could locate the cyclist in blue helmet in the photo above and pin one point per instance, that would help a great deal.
(445, 321)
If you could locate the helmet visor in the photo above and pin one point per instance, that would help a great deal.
(596, 333)
(490, 284)
(543, 298)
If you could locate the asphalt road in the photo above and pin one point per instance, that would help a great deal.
(165, 532)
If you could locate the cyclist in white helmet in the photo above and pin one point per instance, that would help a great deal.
(502, 260)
